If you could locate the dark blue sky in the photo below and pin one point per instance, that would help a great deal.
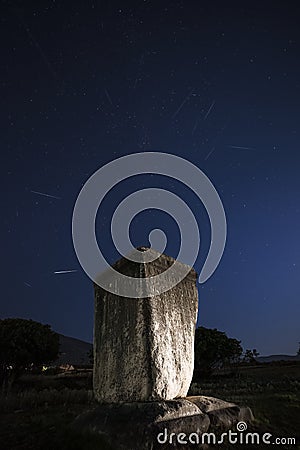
(216, 83)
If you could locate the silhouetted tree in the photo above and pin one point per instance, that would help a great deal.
(24, 344)
(250, 356)
(214, 350)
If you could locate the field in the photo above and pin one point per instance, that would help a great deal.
(39, 416)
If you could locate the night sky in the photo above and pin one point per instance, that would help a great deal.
(217, 83)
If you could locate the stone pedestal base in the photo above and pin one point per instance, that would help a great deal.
(162, 425)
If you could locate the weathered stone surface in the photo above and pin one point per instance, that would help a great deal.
(144, 347)
(158, 425)
(136, 425)
(222, 414)
(208, 404)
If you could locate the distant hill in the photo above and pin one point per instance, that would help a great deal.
(73, 351)
(271, 358)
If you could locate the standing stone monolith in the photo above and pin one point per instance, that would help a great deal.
(144, 347)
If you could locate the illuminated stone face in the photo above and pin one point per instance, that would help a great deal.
(144, 347)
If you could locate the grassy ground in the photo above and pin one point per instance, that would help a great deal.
(40, 419)
(34, 420)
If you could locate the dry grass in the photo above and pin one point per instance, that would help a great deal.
(32, 399)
